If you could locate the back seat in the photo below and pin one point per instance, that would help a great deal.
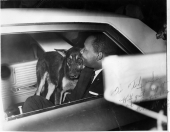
(21, 83)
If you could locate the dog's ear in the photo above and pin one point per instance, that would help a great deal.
(61, 52)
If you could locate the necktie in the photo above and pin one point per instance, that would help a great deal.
(92, 77)
(90, 80)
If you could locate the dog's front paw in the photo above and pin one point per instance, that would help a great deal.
(51, 88)
(42, 83)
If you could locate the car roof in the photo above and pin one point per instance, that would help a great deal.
(133, 29)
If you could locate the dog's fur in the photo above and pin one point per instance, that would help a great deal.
(58, 72)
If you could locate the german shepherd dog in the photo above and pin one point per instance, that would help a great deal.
(57, 72)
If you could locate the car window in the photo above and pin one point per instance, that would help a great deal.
(21, 52)
(16, 48)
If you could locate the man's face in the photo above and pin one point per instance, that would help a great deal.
(88, 53)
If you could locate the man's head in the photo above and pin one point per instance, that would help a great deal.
(96, 47)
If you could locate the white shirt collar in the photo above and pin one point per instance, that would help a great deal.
(97, 73)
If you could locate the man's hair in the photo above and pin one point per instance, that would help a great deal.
(104, 44)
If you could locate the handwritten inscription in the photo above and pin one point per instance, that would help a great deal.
(142, 89)
(116, 91)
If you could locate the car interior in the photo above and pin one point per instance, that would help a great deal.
(20, 53)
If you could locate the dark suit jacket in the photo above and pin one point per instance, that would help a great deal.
(83, 86)
(96, 86)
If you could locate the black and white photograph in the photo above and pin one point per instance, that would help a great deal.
(84, 65)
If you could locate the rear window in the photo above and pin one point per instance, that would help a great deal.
(16, 48)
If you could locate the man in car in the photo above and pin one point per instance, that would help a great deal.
(96, 48)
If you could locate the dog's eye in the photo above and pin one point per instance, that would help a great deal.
(79, 61)
(69, 61)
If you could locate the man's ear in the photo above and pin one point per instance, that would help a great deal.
(100, 56)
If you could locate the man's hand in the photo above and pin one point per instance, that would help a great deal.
(65, 94)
